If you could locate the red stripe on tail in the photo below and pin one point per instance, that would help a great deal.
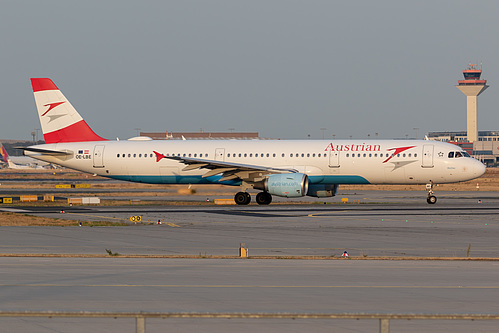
(73, 133)
(41, 84)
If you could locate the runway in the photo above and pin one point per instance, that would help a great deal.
(457, 226)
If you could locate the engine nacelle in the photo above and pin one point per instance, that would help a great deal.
(289, 185)
(322, 190)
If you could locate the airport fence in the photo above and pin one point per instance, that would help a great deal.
(140, 317)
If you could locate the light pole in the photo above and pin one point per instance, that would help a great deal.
(323, 129)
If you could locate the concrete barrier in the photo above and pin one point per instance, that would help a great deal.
(28, 198)
(224, 202)
(84, 201)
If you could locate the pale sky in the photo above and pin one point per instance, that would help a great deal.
(284, 69)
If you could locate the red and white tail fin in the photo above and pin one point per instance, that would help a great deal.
(59, 119)
(5, 156)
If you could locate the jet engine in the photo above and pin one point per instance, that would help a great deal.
(289, 185)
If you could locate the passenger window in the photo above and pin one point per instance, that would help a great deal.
(134, 155)
(348, 155)
(239, 154)
(118, 155)
(291, 155)
(140, 155)
(451, 154)
(313, 155)
(415, 155)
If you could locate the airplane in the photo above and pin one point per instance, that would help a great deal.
(284, 168)
(20, 162)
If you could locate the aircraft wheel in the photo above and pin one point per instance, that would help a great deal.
(242, 198)
(431, 199)
(263, 198)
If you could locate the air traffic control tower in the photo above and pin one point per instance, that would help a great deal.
(472, 87)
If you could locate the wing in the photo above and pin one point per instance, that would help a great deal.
(229, 170)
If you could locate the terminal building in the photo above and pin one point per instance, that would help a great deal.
(201, 135)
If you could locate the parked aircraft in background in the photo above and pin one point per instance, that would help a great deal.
(20, 162)
(285, 168)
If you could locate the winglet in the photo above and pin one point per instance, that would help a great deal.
(59, 119)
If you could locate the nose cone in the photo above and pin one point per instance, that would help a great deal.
(479, 168)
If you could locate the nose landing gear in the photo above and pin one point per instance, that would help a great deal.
(431, 198)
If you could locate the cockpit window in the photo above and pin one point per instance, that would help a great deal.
(456, 154)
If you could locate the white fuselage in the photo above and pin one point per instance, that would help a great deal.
(324, 162)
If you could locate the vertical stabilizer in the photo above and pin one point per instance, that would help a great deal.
(5, 156)
(59, 119)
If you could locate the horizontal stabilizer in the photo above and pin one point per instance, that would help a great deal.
(46, 151)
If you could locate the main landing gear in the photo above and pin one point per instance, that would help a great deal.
(431, 198)
(263, 198)
(243, 198)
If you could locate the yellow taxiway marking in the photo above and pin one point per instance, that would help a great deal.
(99, 216)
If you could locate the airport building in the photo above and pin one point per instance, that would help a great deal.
(202, 135)
(483, 145)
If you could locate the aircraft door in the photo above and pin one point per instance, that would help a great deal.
(427, 158)
(219, 154)
(98, 156)
(334, 159)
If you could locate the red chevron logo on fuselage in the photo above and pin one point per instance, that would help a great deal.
(159, 156)
(51, 106)
(397, 151)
